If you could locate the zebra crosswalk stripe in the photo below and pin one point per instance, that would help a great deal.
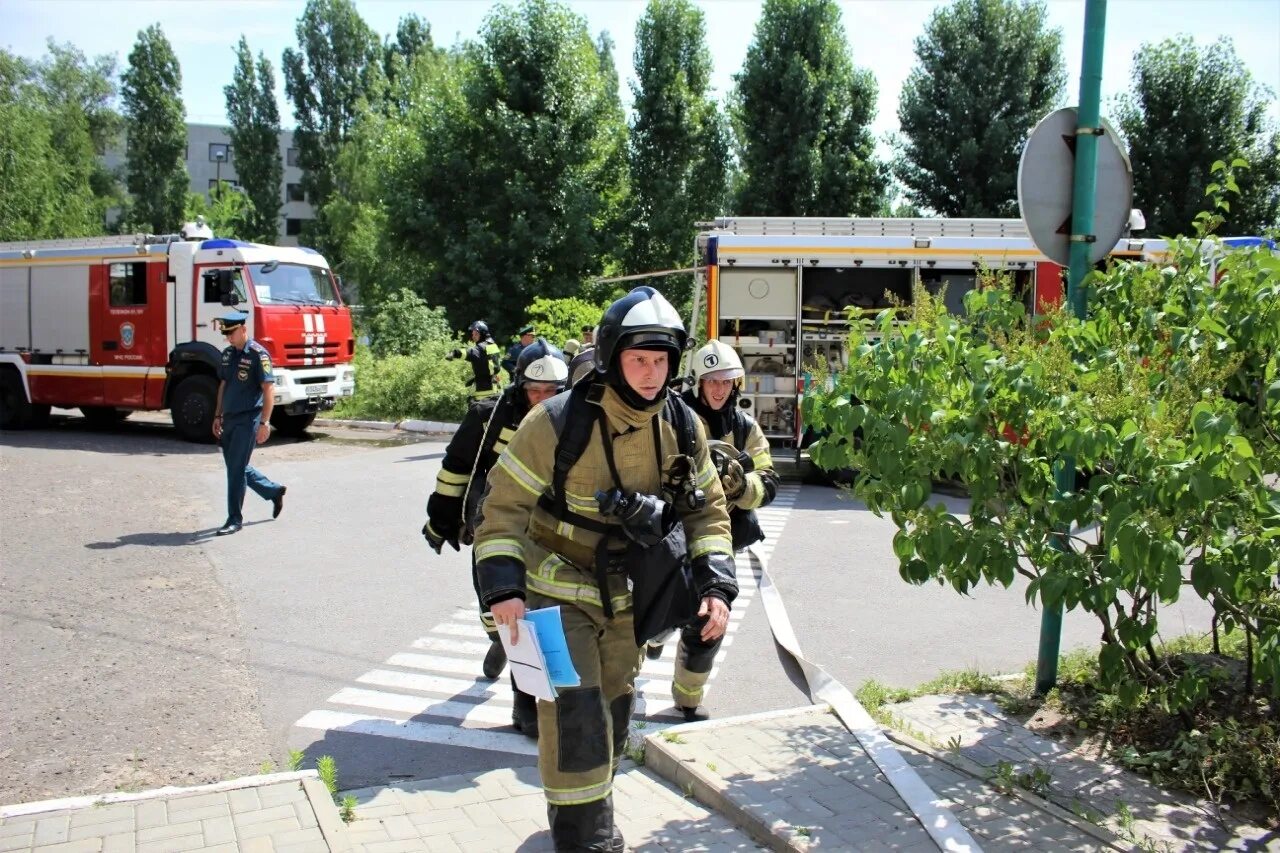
(438, 684)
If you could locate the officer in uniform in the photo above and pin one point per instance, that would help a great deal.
(513, 352)
(484, 357)
(451, 509)
(740, 453)
(544, 540)
(242, 416)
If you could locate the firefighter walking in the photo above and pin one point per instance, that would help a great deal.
(740, 453)
(485, 359)
(602, 490)
(451, 509)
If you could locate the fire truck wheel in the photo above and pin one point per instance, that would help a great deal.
(192, 407)
(16, 411)
(291, 425)
(103, 416)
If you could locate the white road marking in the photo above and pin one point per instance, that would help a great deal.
(444, 669)
(433, 733)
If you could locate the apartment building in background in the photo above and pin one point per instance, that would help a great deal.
(210, 157)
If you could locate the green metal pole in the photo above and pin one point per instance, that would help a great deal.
(1082, 204)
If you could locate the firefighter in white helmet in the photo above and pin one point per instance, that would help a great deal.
(740, 453)
(474, 449)
(606, 505)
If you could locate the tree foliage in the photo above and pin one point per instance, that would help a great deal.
(1189, 107)
(502, 193)
(157, 133)
(802, 113)
(679, 144)
(987, 71)
(331, 79)
(55, 121)
(255, 140)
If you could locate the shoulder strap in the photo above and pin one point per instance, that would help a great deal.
(680, 416)
(742, 423)
(573, 425)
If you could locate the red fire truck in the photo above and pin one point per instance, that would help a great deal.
(117, 324)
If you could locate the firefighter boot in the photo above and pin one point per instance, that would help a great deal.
(494, 659)
(524, 711)
(584, 828)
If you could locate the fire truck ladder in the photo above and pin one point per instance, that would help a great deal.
(866, 227)
(117, 241)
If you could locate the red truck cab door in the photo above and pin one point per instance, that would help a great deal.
(127, 330)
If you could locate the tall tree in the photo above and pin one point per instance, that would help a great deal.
(527, 115)
(329, 80)
(255, 139)
(1190, 106)
(679, 152)
(986, 72)
(802, 112)
(55, 121)
(157, 133)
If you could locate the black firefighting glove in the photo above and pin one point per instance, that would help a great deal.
(436, 540)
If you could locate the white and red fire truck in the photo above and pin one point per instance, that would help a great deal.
(118, 324)
(776, 289)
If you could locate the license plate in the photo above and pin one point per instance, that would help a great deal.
(316, 389)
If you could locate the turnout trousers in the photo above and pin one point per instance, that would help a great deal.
(239, 437)
(583, 734)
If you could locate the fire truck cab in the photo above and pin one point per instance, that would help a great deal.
(116, 324)
(776, 289)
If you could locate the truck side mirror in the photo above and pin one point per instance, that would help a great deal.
(225, 279)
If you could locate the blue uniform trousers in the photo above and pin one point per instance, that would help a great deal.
(239, 436)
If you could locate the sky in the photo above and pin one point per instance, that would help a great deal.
(881, 34)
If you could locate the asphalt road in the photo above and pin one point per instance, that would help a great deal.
(141, 651)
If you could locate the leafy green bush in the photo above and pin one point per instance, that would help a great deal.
(396, 387)
(1167, 399)
(559, 320)
(403, 323)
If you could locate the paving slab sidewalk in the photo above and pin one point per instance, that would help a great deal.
(791, 780)
(983, 737)
(278, 813)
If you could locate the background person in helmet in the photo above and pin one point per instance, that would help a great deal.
(749, 481)
(485, 359)
(451, 509)
(543, 540)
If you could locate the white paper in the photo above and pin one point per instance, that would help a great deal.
(528, 666)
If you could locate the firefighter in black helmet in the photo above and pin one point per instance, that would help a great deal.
(452, 508)
(485, 359)
(571, 505)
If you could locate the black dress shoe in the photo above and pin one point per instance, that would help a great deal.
(227, 529)
(277, 503)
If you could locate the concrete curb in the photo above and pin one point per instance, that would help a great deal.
(411, 425)
(327, 816)
(21, 809)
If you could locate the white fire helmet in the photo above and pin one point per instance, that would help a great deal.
(716, 360)
(541, 362)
